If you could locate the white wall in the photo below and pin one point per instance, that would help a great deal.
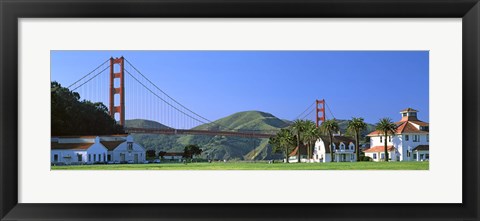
(129, 155)
(391, 155)
(375, 141)
(97, 153)
(402, 145)
(418, 156)
(405, 145)
(320, 149)
(68, 156)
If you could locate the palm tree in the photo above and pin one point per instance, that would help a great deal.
(356, 125)
(311, 134)
(329, 127)
(386, 126)
(298, 127)
(283, 141)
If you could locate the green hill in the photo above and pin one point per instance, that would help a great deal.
(247, 120)
(140, 123)
(152, 141)
(223, 147)
(217, 147)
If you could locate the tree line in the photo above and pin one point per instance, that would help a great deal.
(71, 116)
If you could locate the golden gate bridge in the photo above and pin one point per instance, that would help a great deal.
(147, 101)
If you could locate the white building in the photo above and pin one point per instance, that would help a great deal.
(123, 149)
(344, 150)
(409, 143)
(95, 149)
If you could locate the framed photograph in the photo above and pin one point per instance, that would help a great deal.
(225, 110)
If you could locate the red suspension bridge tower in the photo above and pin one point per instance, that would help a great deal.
(320, 108)
(117, 108)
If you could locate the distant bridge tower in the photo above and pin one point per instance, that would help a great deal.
(320, 108)
(117, 108)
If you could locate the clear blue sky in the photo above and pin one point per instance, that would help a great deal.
(216, 84)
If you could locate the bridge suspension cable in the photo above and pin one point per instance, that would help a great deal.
(307, 113)
(207, 120)
(328, 108)
(198, 116)
(89, 74)
(200, 121)
(303, 113)
(88, 80)
(143, 100)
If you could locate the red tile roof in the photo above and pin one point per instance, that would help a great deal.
(406, 127)
(403, 127)
(70, 146)
(420, 123)
(379, 149)
(376, 133)
(111, 145)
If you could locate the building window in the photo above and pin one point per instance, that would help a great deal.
(89, 157)
(79, 157)
(55, 157)
(406, 137)
(109, 157)
(414, 156)
(416, 138)
(404, 114)
(427, 156)
(382, 156)
(130, 146)
(408, 153)
(389, 138)
(381, 139)
(375, 156)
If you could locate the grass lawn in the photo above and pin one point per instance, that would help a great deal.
(255, 166)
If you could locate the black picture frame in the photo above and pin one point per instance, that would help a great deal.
(11, 11)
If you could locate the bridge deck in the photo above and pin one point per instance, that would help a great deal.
(198, 132)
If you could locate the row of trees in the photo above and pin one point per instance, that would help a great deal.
(189, 152)
(305, 132)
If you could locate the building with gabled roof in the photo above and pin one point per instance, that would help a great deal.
(343, 148)
(71, 150)
(409, 143)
